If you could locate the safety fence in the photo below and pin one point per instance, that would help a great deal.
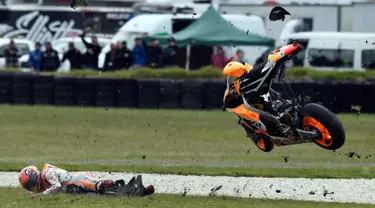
(28, 89)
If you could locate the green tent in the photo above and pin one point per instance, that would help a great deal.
(212, 29)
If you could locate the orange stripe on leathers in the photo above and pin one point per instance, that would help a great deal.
(84, 184)
(246, 113)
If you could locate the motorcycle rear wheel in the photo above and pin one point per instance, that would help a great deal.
(315, 117)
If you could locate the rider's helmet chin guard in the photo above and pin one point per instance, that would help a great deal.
(30, 179)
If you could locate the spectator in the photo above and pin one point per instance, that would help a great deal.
(34, 57)
(118, 45)
(125, 56)
(169, 56)
(92, 53)
(11, 55)
(50, 59)
(154, 54)
(240, 56)
(139, 53)
(111, 59)
(74, 56)
(219, 60)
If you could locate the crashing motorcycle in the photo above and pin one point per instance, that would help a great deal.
(301, 123)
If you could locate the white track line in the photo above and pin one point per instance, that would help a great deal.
(337, 190)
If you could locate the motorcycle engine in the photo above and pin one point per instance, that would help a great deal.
(280, 107)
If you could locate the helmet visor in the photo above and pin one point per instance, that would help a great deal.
(33, 183)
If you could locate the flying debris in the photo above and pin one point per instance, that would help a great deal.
(76, 3)
(278, 13)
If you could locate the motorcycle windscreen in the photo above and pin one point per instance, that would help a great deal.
(233, 82)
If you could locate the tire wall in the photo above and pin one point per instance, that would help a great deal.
(24, 89)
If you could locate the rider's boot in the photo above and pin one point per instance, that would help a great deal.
(274, 126)
(120, 182)
(149, 189)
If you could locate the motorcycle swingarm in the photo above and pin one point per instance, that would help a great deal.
(304, 137)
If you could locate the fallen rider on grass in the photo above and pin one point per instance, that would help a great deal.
(56, 180)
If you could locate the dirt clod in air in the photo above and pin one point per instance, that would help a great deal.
(286, 158)
(357, 109)
(353, 154)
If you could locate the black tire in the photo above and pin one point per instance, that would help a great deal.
(268, 145)
(329, 121)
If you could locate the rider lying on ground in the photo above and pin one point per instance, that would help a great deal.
(56, 180)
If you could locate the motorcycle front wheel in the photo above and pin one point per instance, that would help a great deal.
(317, 118)
(265, 144)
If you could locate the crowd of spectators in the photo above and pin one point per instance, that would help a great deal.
(153, 55)
(119, 56)
(49, 60)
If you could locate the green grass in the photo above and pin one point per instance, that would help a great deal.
(300, 72)
(96, 134)
(288, 172)
(209, 72)
(16, 197)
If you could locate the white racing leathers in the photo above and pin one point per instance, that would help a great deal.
(54, 180)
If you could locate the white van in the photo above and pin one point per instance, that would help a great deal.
(148, 24)
(336, 50)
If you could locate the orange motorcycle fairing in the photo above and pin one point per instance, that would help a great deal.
(236, 69)
(246, 113)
